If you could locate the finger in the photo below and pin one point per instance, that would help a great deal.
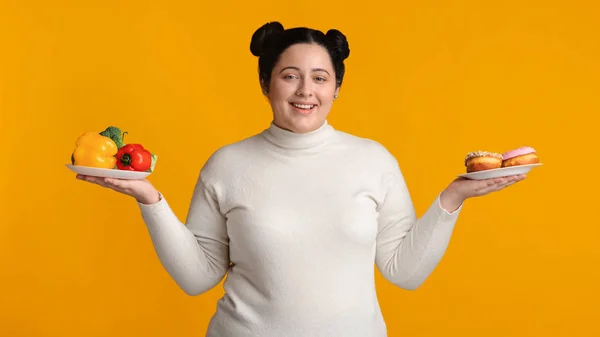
(101, 181)
(498, 187)
(492, 185)
(119, 185)
(480, 186)
(513, 178)
(506, 185)
(496, 184)
(89, 179)
(518, 177)
(501, 181)
(115, 182)
(506, 182)
(85, 177)
(488, 189)
(95, 180)
(487, 183)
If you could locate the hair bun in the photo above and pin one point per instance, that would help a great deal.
(339, 43)
(263, 37)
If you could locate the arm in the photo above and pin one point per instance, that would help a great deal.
(195, 254)
(408, 249)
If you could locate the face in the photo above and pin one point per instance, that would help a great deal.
(302, 88)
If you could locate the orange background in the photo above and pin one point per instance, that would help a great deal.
(428, 79)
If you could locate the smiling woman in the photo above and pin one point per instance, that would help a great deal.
(300, 71)
(298, 215)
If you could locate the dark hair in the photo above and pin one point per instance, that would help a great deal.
(270, 40)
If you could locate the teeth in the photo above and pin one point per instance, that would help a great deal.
(303, 106)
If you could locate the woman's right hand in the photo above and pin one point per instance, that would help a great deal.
(140, 189)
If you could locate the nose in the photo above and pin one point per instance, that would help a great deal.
(304, 89)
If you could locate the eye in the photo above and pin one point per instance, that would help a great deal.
(289, 77)
(321, 78)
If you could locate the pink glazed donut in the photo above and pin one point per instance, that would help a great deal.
(521, 156)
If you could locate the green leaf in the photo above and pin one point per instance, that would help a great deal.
(154, 159)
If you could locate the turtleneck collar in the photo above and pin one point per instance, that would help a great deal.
(291, 140)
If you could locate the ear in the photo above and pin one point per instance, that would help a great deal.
(336, 93)
(264, 88)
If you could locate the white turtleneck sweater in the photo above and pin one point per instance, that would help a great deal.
(298, 222)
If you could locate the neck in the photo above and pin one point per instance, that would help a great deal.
(286, 138)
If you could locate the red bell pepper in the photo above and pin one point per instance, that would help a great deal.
(133, 157)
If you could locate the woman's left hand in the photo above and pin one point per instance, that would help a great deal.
(461, 189)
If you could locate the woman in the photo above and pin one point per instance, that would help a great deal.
(299, 214)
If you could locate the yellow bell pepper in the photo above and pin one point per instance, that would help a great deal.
(94, 150)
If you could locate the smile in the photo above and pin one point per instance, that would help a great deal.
(303, 106)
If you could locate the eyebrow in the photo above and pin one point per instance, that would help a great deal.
(296, 68)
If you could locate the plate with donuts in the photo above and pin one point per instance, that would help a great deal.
(487, 164)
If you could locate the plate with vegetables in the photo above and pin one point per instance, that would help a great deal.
(105, 154)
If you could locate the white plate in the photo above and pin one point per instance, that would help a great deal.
(500, 172)
(108, 173)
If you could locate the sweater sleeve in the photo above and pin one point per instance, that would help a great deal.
(409, 248)
(194, 253)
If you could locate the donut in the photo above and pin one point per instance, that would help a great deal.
(522, 156)
(482, 160)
